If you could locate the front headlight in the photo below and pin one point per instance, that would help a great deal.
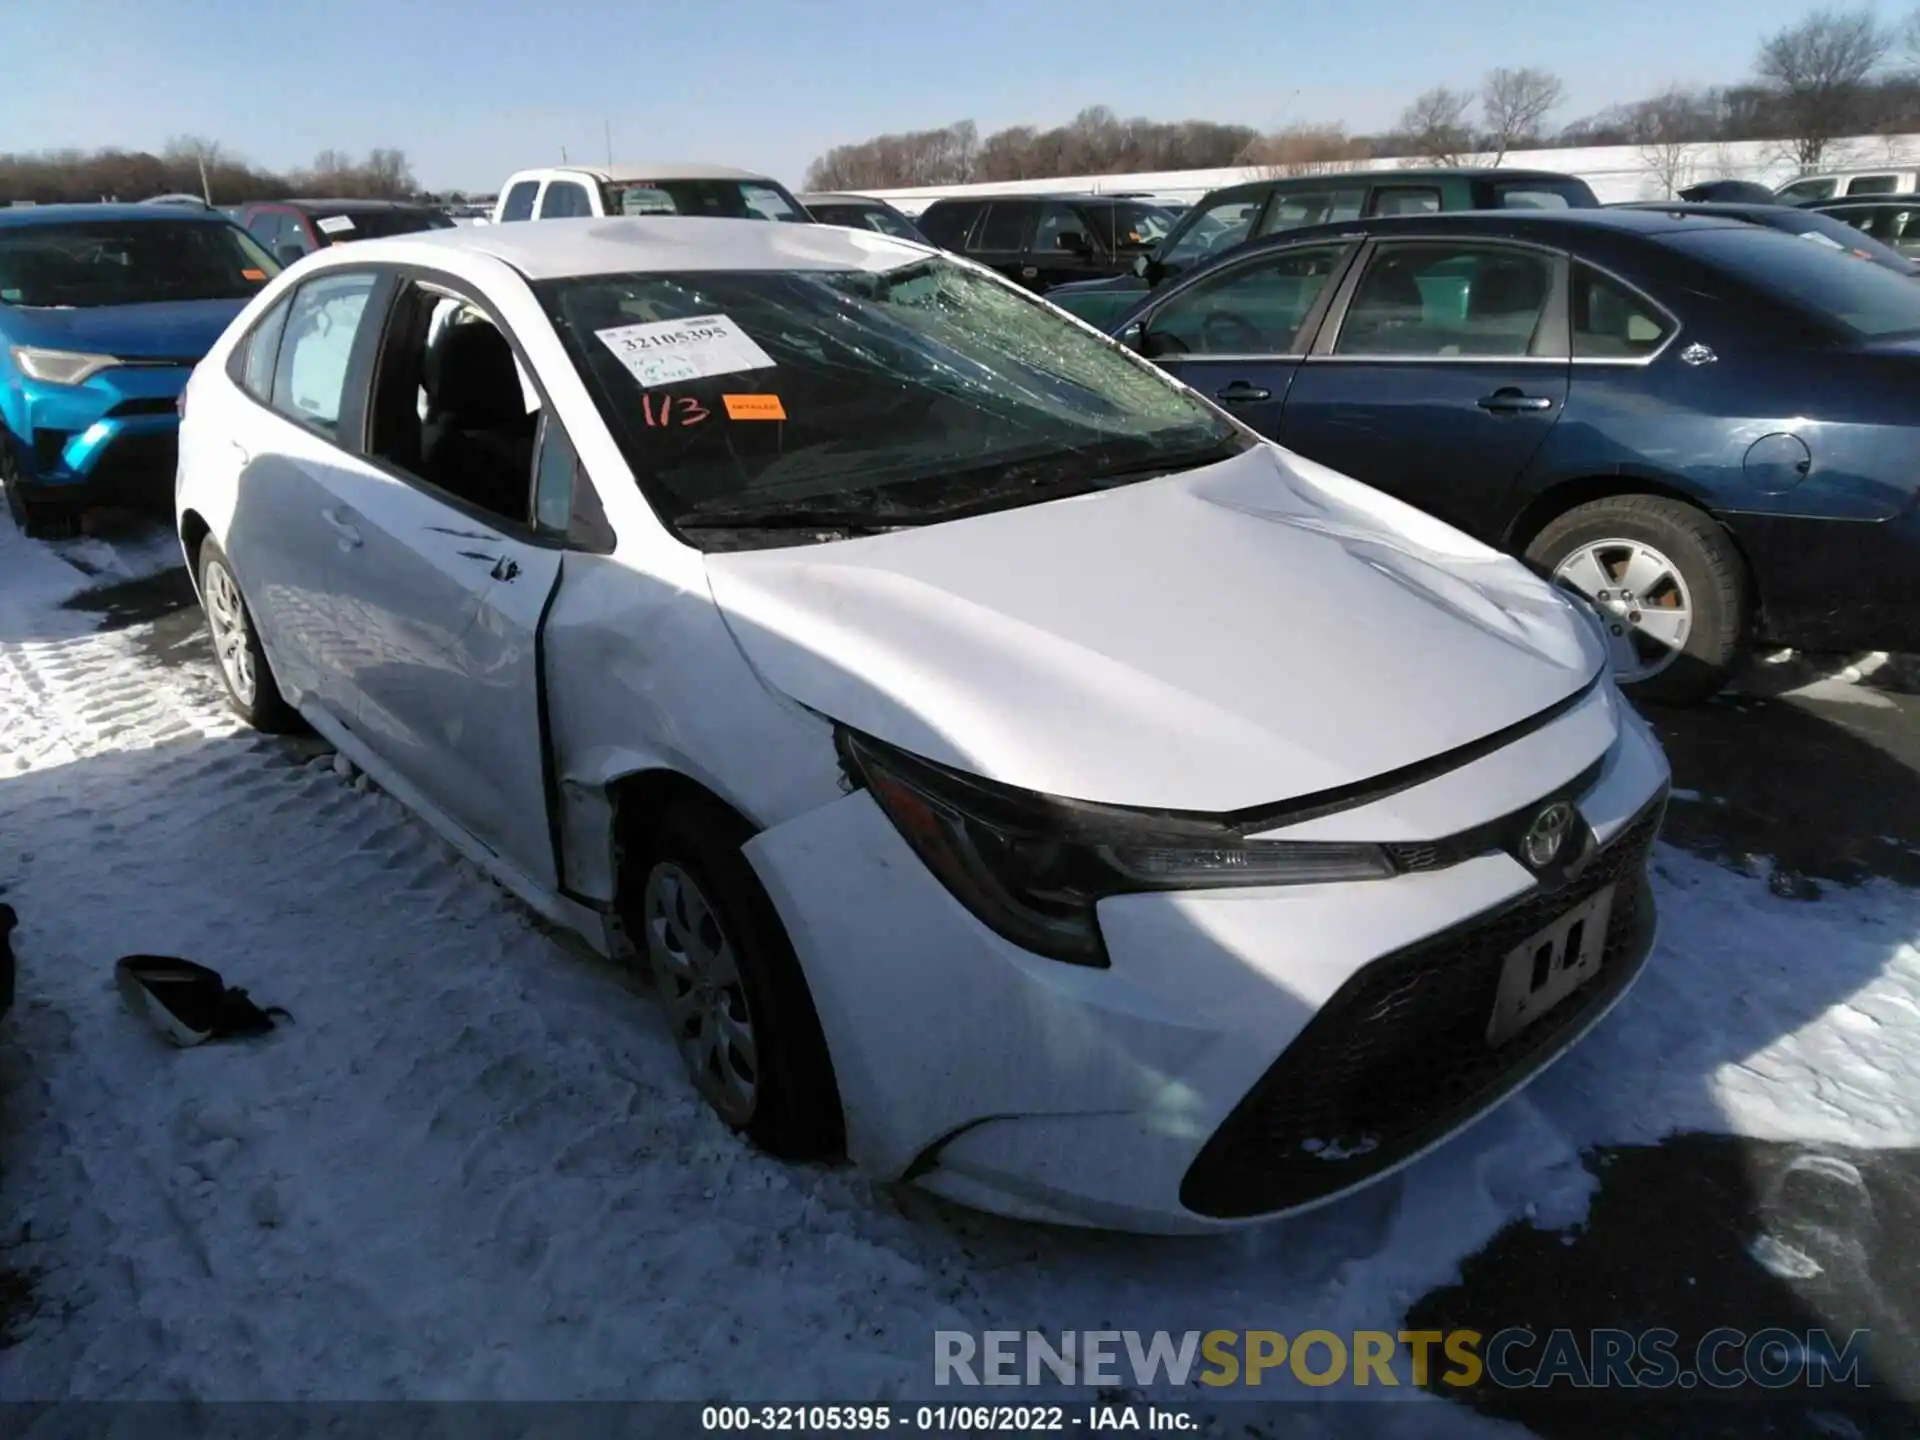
(60, 367)
(1032, 867)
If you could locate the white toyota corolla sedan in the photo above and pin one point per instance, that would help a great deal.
(1017, 775)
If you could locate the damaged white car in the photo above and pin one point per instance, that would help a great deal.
(1016, 774)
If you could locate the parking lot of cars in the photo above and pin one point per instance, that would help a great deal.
(1012, 771)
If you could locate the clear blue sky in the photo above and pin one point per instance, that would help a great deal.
(473, 89)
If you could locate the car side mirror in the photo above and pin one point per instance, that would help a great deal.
(1074, 241)
(1134, 336)
(288, 255)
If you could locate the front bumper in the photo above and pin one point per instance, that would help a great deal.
(112, 440)
(1178, 1090)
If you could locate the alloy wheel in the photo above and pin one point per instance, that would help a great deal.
(1642, 597)
(693, 965)
(232, 640)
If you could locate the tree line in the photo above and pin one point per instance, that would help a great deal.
(189, 165)
(1835, 73)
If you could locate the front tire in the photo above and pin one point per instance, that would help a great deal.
(737, 1003)
(252, 691)
(1668, 581)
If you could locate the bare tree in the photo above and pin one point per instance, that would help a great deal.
(1816, 70)
(1305, 150)
(1435, 124)
(1662, 127)
(1513, 103)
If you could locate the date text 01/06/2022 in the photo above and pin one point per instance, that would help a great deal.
(944, 1419)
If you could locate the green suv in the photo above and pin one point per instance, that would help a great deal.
(1239, 213)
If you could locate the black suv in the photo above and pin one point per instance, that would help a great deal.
(1046, 240)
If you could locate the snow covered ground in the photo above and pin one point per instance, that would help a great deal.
(471, 1167)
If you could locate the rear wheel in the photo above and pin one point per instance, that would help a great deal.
(251, 689)
(737, 1004)
(1667, 581)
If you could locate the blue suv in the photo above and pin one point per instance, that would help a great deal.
(104, 312)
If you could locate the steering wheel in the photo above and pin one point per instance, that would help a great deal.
(1225, 332)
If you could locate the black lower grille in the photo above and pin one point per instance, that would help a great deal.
(137, 468)
(1399, 1056)
(48, 447)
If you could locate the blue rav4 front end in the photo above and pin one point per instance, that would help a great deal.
(104, 312)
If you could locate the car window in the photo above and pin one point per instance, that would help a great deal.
(1837, 293)
(262, 353)
(726, 199)
(563, 200)
(1802, 191)
(1404, 200)
(947, 225)
(1531, 197)
(1005, 227)
(914, 386)
(1610, 322)
(266, 227)
(87, 263)
(1127, 226)
(1447, 301)
(1254, 308)
(519, 202)
(340, 226)
(865, 217)
(1877, 232)
(1292, 209)
(452, 407)
(1873, 185)
(1057, 220)
(1215, 229)
(322, 321)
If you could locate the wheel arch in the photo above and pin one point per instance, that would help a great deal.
(194, 531)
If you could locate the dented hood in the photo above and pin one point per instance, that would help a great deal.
(1228, 637)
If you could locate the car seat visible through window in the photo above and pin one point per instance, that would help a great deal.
(477, 442)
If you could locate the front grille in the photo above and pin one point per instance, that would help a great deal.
(1399, 1056)
(137, 469)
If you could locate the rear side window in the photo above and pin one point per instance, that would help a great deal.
(1405, 200)
(1005, 228)
(565, 200)
(1874, 185)
(262, 352)
(1610, 322)
(1292, 209)
(1447, 301)
(311, 373)
(947, 225)
(519, 204)
(1535, 195)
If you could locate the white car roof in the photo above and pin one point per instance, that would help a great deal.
(558, 249)
(621, 174)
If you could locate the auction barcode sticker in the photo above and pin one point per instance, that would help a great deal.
(660, 352)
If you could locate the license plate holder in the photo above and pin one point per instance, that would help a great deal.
(1543, 970)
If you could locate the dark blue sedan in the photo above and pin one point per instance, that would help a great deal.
(1708, 428)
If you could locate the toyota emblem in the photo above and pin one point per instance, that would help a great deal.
(1547, 834)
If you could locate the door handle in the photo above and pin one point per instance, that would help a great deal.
(1240, 392)
(1511, 400)
(349, 537)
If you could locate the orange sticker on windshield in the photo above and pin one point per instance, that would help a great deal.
(253, 275)
(754, 407)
